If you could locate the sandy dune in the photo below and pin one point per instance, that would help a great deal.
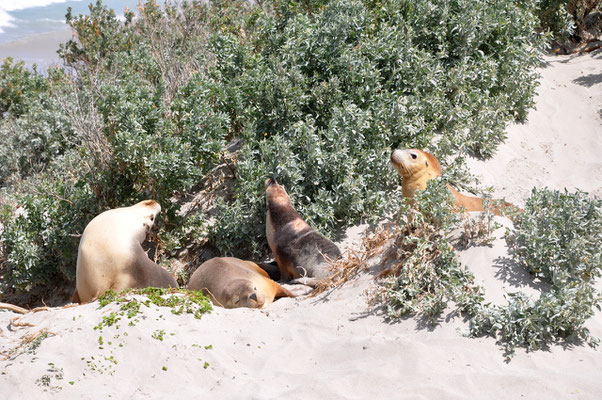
(561, 143)
(329, 346)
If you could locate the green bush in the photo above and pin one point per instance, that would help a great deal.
(534, 324)
(317, 91)
(431, 276)
(323, 96)
(35, 128)
(558, 237)
(18, 85)
(565, 19)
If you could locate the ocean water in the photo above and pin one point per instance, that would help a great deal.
(22, 19)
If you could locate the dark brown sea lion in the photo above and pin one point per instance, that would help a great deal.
(303, 255)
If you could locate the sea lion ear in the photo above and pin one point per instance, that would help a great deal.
(427, 163)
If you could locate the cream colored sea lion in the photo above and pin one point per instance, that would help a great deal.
(110, 255)
(417, 167)
(302, 253)
(233, 283)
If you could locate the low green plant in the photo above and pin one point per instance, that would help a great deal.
(533, 324)
(558, 237)
(180, 301)
(426, 274)
(158, 334)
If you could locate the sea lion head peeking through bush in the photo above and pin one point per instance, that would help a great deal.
(417, 167)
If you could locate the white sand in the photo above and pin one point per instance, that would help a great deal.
(329, 347)
(561, 143)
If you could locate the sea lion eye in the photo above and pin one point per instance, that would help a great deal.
(253, 296)
(427, 163)
(414, 156)
(152, 217)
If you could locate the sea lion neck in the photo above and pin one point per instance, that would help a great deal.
(281, 210)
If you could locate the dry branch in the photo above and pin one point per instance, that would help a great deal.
(13, 308)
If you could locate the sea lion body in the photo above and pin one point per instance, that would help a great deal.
(417, 167)
(303, 255)
(232, 283)
(110, 255)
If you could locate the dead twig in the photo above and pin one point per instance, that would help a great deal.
(13, 308)
(15, 322)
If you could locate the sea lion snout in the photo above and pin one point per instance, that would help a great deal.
(269, 182)
(399, 157)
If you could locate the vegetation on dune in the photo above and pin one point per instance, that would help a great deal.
(313, 93)
(578, 20)
(557, 240)
(316, 91)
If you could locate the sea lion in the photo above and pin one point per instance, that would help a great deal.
(232, 283)
(110, 255)
(417, 167)
(302, 253)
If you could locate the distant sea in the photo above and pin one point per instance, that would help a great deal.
(31, 30)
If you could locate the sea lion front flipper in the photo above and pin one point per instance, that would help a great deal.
(283, 292)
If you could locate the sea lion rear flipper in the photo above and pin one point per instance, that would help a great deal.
(75, 298)
(312, 282)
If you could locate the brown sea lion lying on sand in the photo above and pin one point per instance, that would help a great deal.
(233, 283)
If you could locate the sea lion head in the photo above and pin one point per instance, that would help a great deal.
(275, 193)
(416, 167)
(410, 162)
(243, 293)
(147, 210)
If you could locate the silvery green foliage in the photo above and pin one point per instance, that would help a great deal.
(318, 92)
(555, 18)
(557, 239)
(567, 19)
(324, 95)
(431, 276)
(533, 324)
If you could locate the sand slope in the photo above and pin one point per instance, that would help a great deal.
(329, 346)
(561, 143)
